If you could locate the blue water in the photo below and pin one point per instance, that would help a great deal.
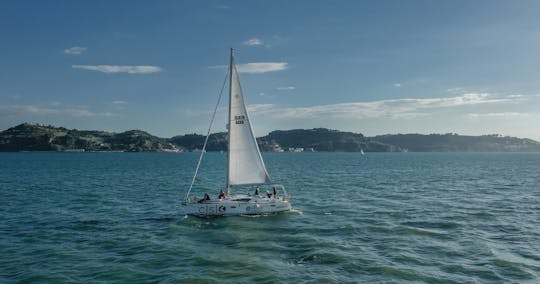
(386, 217)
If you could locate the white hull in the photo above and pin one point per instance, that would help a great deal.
(238, 205)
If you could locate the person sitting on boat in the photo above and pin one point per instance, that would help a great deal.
(205, 198)
(275, 191)
(257, 191)
(222, 195)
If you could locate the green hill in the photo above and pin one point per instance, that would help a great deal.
(36, 137)
(322, 139)
(459, 143)
(216, 141)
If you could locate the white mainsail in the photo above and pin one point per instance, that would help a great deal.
(246, 165)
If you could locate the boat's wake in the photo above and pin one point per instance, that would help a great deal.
(296, 211)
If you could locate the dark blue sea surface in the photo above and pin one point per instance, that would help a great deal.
(381, 217)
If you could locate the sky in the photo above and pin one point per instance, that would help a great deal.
(371, 67)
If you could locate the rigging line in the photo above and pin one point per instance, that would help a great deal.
(206, 139)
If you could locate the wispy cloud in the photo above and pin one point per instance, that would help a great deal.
(496, 114)
(397, 108)
(76, 50)
(120, 69)
(119, 104)
(262, 67)
(217, 67)
(286, 88)
(259, 107)
(397, 85)
(456, 90)
(256, 67)
(44, 111)
(253, 42)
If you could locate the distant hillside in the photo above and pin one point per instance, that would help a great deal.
(36, 137)
(319, 139)
(216, 141)
(322, 139)
(459, 143)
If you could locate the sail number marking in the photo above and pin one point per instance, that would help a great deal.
(212, 209)
(239, 119)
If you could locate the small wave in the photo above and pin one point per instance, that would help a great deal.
(322, 258)
(432, 225)
(507, 259)
(159, 219)
(396, 273)
(425, 232)
(375, 228)
(90, 222)
(513, 269)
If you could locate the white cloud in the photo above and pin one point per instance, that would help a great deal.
(119, 102)
(497, 114)
(397, 108)
(286, 88)
(397, 85)
(259, 107)
(262, 67)
(456, 90)
(253, 42)
(120, 69)
(257, 67)
(76, 50)
(43, 111)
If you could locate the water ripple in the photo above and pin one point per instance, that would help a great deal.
(378, 218)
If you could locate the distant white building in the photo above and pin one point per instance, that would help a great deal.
(276, 148)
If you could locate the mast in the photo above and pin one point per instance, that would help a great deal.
(229, 121)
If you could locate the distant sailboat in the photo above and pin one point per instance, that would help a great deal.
(362, 152)
(245, 166)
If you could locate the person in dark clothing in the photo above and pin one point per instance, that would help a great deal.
(206, 197)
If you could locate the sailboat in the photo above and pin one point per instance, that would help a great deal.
(245, 167)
